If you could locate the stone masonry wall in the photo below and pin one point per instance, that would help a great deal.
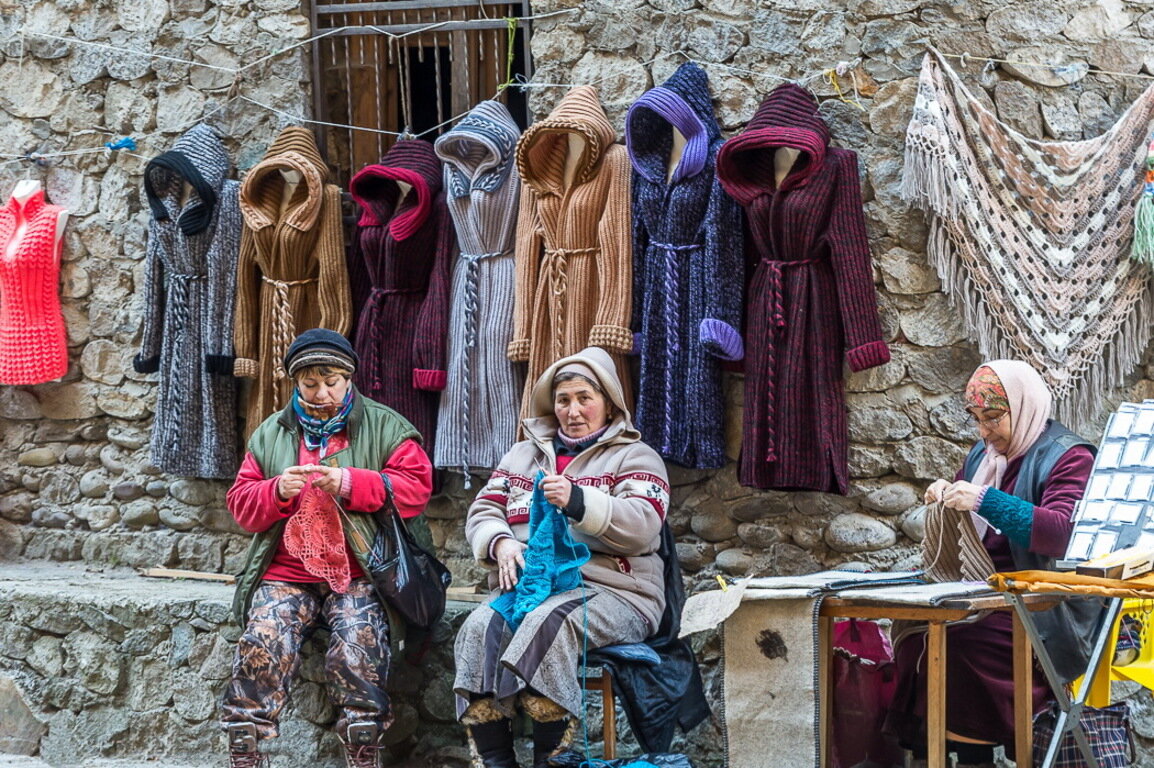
(75, 481)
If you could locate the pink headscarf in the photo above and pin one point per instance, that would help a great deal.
(1029, 402)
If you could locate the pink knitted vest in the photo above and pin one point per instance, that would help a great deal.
(33, 343)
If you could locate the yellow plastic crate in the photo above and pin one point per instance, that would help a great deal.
(1140, 670)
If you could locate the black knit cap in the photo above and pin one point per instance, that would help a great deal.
(320, 346)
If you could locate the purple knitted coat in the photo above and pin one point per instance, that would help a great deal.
(687, 271)
(399, 269)
(811, 305)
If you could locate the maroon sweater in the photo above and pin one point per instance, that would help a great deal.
(810, 306)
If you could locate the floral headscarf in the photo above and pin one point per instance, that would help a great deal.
(1015, 387)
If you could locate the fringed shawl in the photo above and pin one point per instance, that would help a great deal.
(1030, 237)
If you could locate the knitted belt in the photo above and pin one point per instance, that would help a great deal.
(671, 312)
(472, 275)
(774, 277)
(283, 328)
(557, 271)
(177, 285)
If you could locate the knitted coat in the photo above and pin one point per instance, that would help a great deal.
(574, 260)
(688, 269)
(291, 273)
(189, 294)
(810, 305)
(399, 266)
(33, 340)
(477, 421)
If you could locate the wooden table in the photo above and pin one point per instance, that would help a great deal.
(937, 616)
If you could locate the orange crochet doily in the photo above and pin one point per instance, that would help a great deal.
(314, 535)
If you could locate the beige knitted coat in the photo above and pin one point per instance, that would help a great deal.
(574, 241)
(291, 272)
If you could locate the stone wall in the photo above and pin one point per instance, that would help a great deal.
(75, 480)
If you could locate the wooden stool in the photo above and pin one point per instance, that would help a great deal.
(604, 683)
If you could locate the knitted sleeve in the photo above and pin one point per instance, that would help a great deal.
(527, 260)
(218, 318)
(487, 518)
(850, 255)
(628, 518)
(640, 264)
(1053, 515)
(333, 280)
(615, 259)
(360, 284)
(152, 311)
(431, 340)
(723, 276)
(246, 322)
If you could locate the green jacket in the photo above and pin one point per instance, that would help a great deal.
(375, 431)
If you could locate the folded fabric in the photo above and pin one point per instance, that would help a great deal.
(1070, 582)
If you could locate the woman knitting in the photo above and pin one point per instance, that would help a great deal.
(584, 458)
(1020, 483)
(313, 476)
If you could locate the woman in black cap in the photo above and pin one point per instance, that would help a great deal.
(313, 476)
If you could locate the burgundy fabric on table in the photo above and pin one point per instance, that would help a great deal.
(979, 656)
(399, 270)
(810, 305)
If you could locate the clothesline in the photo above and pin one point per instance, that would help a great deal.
(965, 59)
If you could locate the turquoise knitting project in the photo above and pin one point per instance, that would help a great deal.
(552, 561)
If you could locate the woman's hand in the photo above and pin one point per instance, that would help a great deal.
(556, 489)
(328, 479)
(935, 491)
(291, 481)
(962, 495)
(509, 553)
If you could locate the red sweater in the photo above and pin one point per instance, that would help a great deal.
(254, 502)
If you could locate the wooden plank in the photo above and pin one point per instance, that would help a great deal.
(856, 609)
(404, 5)
(402, 29)
(173, 573)
(936, 695)
(1023, 695)
(825, 685)
(466, 594)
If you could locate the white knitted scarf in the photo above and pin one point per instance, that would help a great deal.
(1030, 238)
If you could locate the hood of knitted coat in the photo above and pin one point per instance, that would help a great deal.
(198, 157)
(542, 150)
(682, 102)
(376, 190)
(294, 149)
(542, 424)
(787, 118)
(478, 152)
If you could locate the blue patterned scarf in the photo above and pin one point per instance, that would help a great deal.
(318, 431)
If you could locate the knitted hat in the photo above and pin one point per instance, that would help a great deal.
(320, 346)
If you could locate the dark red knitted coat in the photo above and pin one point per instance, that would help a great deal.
(399, 271)
(810, 304)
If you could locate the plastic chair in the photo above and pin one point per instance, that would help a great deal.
(1141, 669)
(604, 683)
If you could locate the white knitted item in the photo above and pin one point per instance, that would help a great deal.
(1031, 237)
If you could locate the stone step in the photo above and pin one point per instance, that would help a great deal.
(111, 669)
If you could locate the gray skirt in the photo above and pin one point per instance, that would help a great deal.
(546, 651)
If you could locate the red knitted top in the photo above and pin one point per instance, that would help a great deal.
(33, 344)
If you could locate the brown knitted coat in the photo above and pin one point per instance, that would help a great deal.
(291, 273)
(574, 241)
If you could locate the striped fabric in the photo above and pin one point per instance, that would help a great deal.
(477, 421)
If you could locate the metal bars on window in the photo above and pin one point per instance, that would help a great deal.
(399, 65)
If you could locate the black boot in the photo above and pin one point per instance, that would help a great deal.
(493, 743)
(547, 737)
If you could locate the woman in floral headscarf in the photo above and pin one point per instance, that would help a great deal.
(1020, 483)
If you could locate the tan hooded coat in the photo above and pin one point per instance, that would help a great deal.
(291, 273)
(625, 487)
(574, 240)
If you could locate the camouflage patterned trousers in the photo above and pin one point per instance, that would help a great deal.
(267, 658)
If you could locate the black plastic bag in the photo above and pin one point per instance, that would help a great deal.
(408, 577)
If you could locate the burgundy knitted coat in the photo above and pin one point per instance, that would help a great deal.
(810, 304)
(399, 271)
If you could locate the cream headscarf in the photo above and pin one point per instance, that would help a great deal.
(1018, 388)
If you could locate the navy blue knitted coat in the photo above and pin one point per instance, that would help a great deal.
(688, 271)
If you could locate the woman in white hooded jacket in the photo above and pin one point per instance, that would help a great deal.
(614, 492)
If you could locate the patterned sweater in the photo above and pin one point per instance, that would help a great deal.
(189, 295)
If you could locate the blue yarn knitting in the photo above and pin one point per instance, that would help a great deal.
(1014, 517)
(552, 561)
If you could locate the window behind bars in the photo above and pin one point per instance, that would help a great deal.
(391, 70)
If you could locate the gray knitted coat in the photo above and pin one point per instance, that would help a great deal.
(189, 294)
(478, 412)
